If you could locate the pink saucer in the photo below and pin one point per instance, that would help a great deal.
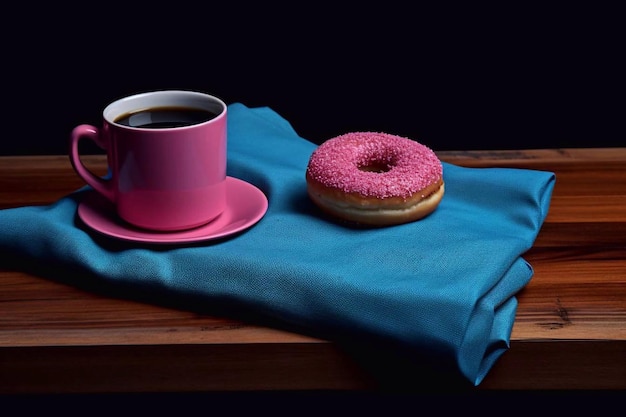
(246, 205)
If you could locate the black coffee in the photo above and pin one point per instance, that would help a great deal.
(165, 117)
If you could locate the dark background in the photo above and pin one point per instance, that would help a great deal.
(460, 77)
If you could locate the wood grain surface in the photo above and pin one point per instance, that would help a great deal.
(570, 330)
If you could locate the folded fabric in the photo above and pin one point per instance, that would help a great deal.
(443, 286)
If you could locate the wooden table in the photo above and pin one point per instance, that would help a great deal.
(570, 330)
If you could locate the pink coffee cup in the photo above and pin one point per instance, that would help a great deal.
(166, 152)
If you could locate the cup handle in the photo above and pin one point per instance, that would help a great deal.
(99, 184)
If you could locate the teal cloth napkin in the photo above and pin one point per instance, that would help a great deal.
(442, 287)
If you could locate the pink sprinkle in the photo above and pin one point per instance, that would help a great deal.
(402, 166)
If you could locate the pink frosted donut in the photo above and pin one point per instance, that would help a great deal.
(375, 179)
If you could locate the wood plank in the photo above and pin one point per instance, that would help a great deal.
(570, 330)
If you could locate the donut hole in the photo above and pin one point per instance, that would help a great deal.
(377, 164)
